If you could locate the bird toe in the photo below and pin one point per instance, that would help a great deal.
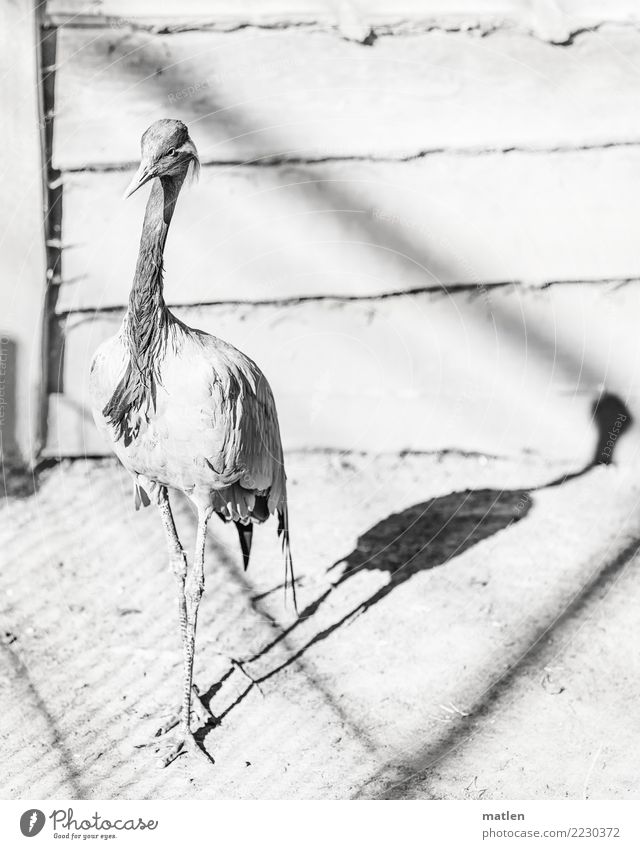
(184, 744)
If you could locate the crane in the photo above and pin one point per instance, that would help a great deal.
(185, 410)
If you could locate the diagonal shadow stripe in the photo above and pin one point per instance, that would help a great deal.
(57, 739)
(394, 780)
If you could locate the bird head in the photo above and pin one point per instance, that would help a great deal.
(167, 151)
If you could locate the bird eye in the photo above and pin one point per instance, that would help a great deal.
(172, 152)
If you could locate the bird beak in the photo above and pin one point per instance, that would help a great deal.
(142, 176)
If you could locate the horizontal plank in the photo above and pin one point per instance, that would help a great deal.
(503, 372)
(292, 93)
(547, 20)
(362, 229)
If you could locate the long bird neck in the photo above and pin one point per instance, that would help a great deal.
(147, 311)
(147, 320)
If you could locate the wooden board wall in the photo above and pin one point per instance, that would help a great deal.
(339, 176)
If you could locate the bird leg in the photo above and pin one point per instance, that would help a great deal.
(199, 712)
(190, 588)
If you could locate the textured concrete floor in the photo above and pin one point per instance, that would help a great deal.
(476, 639)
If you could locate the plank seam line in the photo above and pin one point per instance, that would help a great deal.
(442, 290)
(477, 26)
(51, 461)
(279, 161)
(301, 299)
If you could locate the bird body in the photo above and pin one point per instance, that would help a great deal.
(184, 410)
(213, 432)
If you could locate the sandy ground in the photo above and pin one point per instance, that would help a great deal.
(476, 637)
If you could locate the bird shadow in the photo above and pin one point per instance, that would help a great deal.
(424, 536)
(431, 533)
(420, 538)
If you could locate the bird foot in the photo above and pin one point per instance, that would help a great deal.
(199, 711)
(169, 750)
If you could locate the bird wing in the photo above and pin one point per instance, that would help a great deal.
(228, 422)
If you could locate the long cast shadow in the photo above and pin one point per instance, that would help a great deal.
(422, 537)
(428, 535)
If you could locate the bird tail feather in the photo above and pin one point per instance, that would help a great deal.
(245, 535)
(283, 533)
(140, 497)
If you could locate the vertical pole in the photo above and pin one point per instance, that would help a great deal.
(23, 267)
